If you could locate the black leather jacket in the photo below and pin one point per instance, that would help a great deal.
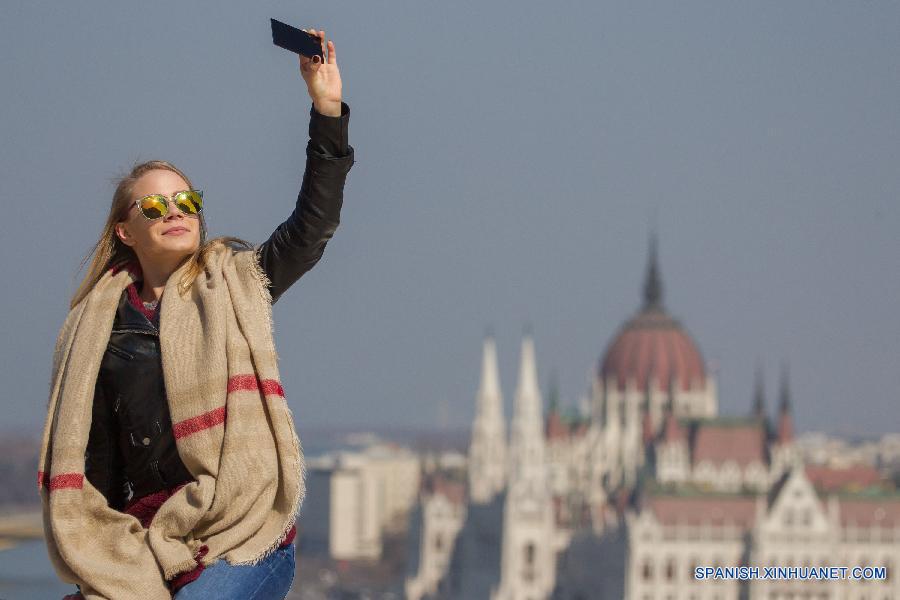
(131, 449)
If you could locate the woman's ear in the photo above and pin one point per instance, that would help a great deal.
(123, 234)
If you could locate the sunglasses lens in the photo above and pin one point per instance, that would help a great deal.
(154, 207)
(190, 203)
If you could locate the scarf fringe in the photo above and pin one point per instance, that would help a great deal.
(265, 284)
(297, 502)
(186, 565)
(265, 553)
(260, 276)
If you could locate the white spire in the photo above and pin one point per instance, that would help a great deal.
(527, 438)
(527, 560)
(487, 450)
(528, 394)
(490, 402)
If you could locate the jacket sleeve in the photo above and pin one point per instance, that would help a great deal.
(104, 466)
(298, 243)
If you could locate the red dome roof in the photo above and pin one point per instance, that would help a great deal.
(653, 343)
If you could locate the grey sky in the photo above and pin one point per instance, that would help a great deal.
(510, 158)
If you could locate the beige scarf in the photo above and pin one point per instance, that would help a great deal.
(233, 429)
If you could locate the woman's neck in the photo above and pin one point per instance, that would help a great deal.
(149, 292)
(155, 277)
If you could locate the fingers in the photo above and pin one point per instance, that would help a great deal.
(327, 48)
(309, 65)
(322, 37)
(304, 65)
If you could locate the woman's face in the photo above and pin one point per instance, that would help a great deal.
(175, 234)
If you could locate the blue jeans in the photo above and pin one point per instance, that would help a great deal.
(270, 579)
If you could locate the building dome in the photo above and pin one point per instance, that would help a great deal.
(652, 344)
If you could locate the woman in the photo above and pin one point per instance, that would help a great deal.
(170, 465)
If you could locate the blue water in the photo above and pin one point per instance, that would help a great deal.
(27, 574)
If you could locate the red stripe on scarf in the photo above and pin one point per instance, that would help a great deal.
(66, 480)
(238, 383)
(43, 479)
(244, 383)
(199, 423)
(271, 387)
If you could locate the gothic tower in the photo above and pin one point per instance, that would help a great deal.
(782, 449)
(487, 450)
(528, 560)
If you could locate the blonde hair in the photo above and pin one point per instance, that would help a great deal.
(109, 251)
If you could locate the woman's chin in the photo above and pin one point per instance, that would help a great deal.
(178, 247)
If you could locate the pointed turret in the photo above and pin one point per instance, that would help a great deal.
(487, 451)
(490, 402)
(782, 450)
(653, 291)
(527, 438)
(527, 555)
(785, 419)
(554, 426)
(528, 394)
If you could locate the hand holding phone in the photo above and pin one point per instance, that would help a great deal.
(322, 77)
(296, 40)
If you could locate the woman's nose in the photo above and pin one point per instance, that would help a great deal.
(173, 209)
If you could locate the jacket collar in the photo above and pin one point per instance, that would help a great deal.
(128, 316)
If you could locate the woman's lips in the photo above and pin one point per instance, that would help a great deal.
(175, 231)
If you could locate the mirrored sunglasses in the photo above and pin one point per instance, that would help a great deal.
(155, 206)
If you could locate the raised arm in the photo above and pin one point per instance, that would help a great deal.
(297, 244)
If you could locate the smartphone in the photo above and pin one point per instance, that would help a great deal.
(296, 40)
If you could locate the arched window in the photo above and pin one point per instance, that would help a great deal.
(529, 554)
(647, 570)
(528, 572)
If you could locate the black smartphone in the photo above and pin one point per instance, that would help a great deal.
(296, 40)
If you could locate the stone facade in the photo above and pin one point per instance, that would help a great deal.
(627, 498)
